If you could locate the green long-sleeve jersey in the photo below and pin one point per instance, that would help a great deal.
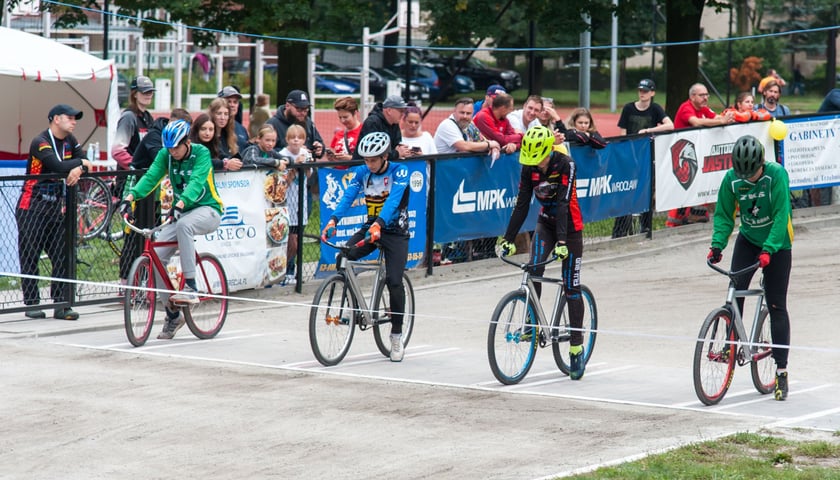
(764, 206)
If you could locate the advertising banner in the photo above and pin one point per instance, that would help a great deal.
(613, 181)
(811, 152)
(690, 164)
(333, 182)
(254, 232)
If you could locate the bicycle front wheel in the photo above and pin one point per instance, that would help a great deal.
(512, 338)
(206, 318)
(714, 357)
(139, 305)
(93, 205)
(763, 366)
(331, 320)
(561, 330)
(382, 317)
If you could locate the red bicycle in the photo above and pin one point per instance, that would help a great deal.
(204, 319)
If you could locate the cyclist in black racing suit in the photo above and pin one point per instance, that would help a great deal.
(385, 187)
(550, 176)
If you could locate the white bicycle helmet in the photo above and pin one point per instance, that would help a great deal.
(374, 144)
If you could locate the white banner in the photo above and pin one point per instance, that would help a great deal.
(811, 152)
(251, 240)
(690, 164)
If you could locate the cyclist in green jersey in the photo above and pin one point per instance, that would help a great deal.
(762, 193)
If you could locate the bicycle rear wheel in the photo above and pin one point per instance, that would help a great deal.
(714, 357)
(382, 317)
(561, 328)
(332, 318)
(512, 338)
(763, 366)
(115, 232)
(93, 199)
(206, 318)
(139, 305)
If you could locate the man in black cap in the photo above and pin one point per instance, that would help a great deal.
(39, 215)
(234, 99)
(385, 117)
(296, 111)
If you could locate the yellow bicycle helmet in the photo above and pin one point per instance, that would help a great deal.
(536, 145)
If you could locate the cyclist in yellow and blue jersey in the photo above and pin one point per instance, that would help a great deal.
(384, 185)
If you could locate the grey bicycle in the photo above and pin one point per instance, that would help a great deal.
(723, 342)
(341, 304)
(519, 325)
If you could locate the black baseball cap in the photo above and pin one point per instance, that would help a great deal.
(647, 84)
(298, 98)
(63, 109)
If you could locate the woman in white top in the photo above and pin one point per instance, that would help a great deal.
(421, 142)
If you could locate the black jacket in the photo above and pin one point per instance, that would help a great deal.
(148, 148)
(282, 124)
(375, 122)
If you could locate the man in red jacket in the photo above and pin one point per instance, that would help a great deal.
(492, 122)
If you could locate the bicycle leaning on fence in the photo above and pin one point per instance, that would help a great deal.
(204, 319)
(723, 342)
(341, 303)
(519, 325)
(98, 216)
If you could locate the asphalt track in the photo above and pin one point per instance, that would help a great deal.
(79, 402)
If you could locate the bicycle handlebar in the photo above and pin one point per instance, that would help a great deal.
(144, 231)
(730, 274)
(526, 266)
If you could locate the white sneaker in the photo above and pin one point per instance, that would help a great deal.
(290, 280)
(186, 296)
(397, 351)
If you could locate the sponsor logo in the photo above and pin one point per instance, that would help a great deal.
(719, 158)
(416, 181)
(684, 162)
(603, 185)
(232, 216)
(232, 227)
(481, 200)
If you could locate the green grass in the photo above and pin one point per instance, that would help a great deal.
(740, 456)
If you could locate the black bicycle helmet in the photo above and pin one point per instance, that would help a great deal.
(747, 156)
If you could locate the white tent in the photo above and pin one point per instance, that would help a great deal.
(37, 73)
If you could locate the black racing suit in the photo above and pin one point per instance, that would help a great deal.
(39, 213)
(559, 220)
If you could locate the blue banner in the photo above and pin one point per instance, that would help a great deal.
(474, 197)
(613, 181)
(334, 181)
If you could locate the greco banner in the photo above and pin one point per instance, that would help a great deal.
(333, 182)
(690, 164)
(252, 237)
(811, 152)
(613, 181)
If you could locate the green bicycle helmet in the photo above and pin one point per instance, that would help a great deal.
(747, 156)
(536, 145)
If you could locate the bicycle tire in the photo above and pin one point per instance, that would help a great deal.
(763, 366)
(512, 338)
(332, 319)
(93, 207)
(382, 312)
(139, 305)
(560, 326)
(714, 357)
(115, 232)
(206, 318)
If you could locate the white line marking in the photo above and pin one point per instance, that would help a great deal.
(790, 421)
(409, 353)
(768, 397)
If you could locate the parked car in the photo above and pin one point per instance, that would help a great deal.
(427, 74)
(482, 75)
(378, 84)
(324, 83)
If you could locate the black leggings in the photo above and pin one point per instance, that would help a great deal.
(776, 278)
(542, 245)
(395, 247)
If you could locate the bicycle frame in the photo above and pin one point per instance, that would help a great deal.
(350, 268)
(527, 287)
(731, 303)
